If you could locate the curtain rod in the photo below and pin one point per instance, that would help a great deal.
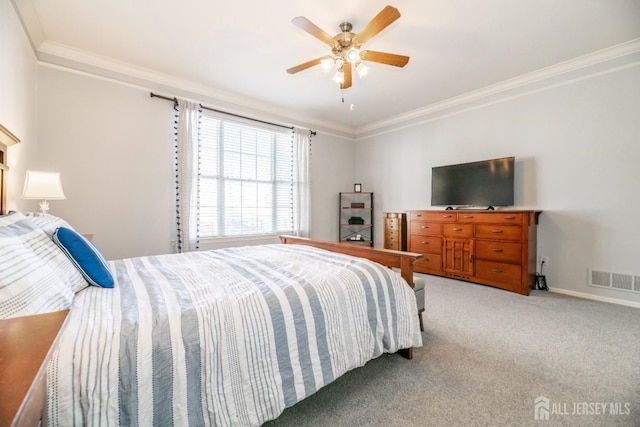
(153, 95)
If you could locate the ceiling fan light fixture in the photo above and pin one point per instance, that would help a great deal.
(339, 76)
(362, 69)
(327, 63)
(352, 55)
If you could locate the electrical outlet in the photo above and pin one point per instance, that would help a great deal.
(544, 261)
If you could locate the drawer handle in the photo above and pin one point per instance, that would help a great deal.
(457, 229)
(509, 217)
(496, 270)
(468, 216)
(496, 231)
(425, 243)
(418, 214)
(425, 226)
(446, 216)
(496, 250)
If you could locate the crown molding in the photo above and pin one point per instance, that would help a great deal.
(64, 56)
(30, 22)
(581, 62)
(61, 55)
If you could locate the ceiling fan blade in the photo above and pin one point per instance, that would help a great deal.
(384, 58)
(304, 66)
(381, 21)
(313, 29)
(348, 72)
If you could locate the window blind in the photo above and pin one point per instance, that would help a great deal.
(246, 179)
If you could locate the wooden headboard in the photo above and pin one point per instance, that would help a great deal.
(6, 139)
(3, 185)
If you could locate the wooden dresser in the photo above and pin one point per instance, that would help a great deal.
(25, 347)
(395, 231)
(496, 248)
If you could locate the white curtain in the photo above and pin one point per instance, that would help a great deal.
(301, 191)
(187, 174)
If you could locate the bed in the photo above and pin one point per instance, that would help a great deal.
(225, 337)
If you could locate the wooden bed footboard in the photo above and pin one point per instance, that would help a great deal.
(387, 257)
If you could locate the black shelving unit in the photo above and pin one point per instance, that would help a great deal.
(355, 218)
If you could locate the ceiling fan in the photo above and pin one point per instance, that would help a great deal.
(346, 47)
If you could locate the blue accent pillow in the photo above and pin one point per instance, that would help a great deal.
(86, 257)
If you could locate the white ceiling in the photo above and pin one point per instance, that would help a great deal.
(239, 50)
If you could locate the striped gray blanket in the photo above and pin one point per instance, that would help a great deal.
(229, 337)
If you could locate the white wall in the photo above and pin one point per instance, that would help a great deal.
(332, 171)
(577, 156)
(113, 145)
(18, 101)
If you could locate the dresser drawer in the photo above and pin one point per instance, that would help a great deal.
(393, 215)
(491, 218)
(392, 223)
(392, 239)
(432, 216)
(499, 232)
(497, 271)
(391, 233)
(457, 230)
(499, 251)
(431, 262)
(426, 228)
(429, 244)
(392, 243)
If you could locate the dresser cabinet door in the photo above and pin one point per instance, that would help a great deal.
(458, 256)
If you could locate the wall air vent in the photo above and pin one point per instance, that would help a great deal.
(618, 281)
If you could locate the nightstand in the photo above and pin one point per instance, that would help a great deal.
(26, 345)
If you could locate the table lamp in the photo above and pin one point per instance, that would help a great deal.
(44, 186)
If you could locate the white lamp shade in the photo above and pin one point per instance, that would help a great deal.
(43, 185)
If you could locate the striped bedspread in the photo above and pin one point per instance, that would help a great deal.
(229, 337)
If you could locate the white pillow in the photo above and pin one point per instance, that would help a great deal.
(48, 223)
(36, 276)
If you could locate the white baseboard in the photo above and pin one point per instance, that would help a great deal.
(595, 297)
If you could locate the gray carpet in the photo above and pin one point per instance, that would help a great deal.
(488, 355)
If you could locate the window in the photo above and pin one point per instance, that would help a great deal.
(246, 181)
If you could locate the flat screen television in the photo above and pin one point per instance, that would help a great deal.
(487, 183)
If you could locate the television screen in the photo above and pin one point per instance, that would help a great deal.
(485, 183)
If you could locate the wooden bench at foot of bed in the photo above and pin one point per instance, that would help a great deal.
(387, 257)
